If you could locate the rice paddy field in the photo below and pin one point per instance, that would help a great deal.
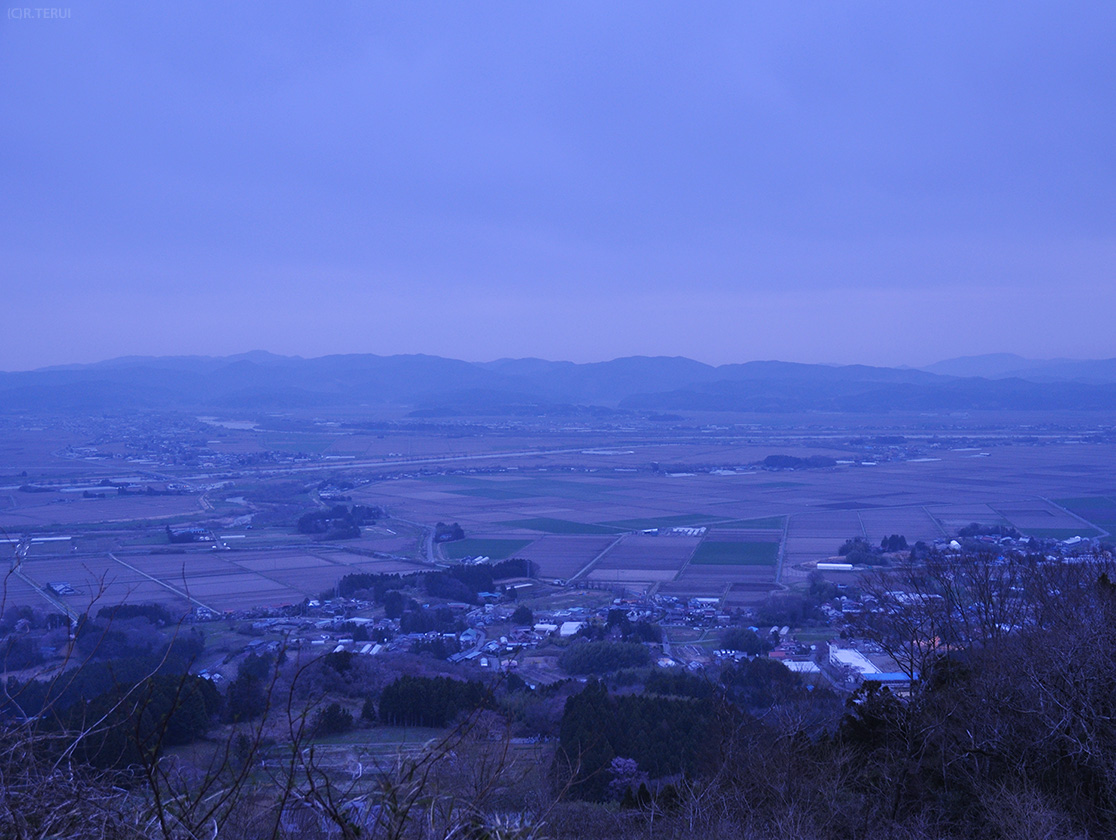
(219, 581)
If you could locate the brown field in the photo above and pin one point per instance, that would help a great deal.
(1036, 515)
(954, 517)
(560, 556)
(646, 560)
(738, 585)
(914, 523)
(620, 575)
(636, 551)
(218, 580)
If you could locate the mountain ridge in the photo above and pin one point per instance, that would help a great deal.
(263, 381)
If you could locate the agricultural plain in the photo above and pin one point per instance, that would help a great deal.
(690, 511)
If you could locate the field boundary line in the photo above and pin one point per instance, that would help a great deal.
(692, 555)
(41, 590)
(783, 551)
(1074, 515)
(934, 519)
(588, 567)
(181, 594)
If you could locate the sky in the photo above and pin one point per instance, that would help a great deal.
(842, 182)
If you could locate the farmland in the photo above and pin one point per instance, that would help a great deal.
(684, 511)
(713, 553)
(217, 581)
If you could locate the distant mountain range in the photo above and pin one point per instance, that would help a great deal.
(433, 386)
(1010, 366)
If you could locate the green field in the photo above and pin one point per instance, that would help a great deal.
(560, 526)
(496, 549)
(1099, 510)
(711, 553)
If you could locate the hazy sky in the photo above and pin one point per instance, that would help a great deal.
(876, 182)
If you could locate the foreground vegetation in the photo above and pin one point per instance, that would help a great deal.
(1008, 731)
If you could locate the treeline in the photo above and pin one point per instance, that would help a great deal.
(133, 681)
(338, 522)
(665, 736)
(976, 529)
(430, 701)
(458, 583)
(859, 551)
(603, 657)
(448, 533)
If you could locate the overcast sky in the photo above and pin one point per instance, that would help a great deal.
(873, 182)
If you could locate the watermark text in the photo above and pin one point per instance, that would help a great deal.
(39, 13)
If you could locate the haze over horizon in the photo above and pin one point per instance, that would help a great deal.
(852, 184)
(999, 360)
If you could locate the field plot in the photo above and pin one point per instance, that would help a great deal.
(818, 534)
(954, 517)
(302, 573)
(14, 592)
(44, 510)
(494, 548)
(691, 520)
(387, 545)
(737, 585)
(722, 534)
(559, 526)
(763, 523)
(99, 581)
(644, 559)
(564, 556)
(736, 553)
(748, 593)
(638, 551)
(633, 576)
(235, 591)
(174, 568)
(1040, 519)
(219, 580)
(1099, 510)
(914, 523)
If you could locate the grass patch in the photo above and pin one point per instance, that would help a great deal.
(1087, 503)
(687, 520)
(560, 526)
(711, 553)
(496, 549)
(683, 635)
